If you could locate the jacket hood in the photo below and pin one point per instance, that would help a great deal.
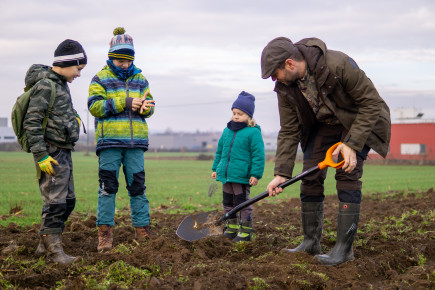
(37, 72)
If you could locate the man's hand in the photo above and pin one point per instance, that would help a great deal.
(214, 175)
(253, 181)
(272, 186)
(349, 156)
(45, 164)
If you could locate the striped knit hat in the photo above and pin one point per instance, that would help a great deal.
(69, 53)
(121, 45)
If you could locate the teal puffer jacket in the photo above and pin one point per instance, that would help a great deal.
(240, 155)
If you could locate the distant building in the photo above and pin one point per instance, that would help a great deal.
(199, 141)
(412, 140)
(3, 122)
(412, 137)
(184, 141)
(7, 134)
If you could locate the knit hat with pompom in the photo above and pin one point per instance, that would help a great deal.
(121, 45)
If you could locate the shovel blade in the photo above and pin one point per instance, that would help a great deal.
(199, 226)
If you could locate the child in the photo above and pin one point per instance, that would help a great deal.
(52, 150)
(120, 100)
(239, 164)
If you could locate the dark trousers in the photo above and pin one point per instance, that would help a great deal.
(57, 192)
(235, 194)
(348, 184)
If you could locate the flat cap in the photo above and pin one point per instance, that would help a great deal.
(274, 54)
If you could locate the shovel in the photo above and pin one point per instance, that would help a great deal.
(207, 224)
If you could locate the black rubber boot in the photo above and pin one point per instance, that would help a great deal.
(246, 232)
(348, 216)
(53, 246)
(231, 228)
(312, 226)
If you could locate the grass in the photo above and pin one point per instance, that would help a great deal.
(178, 185)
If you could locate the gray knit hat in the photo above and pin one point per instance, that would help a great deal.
(274, 54)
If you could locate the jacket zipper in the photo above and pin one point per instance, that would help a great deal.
(102, 131)
(229, 154)
(129, 115)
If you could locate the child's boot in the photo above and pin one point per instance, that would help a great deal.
(105, 238)
(246, 232)
(142, 233)
(231, 228)
(40, 250)
(54, 249)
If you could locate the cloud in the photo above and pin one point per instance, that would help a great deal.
(208, 51)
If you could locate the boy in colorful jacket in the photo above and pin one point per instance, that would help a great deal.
(52, 149)
(239, 164)
(120, 101)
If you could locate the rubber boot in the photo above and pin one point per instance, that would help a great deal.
(54, 249)
(231, 228)
(105, 238)
(142, 233)
(312, 226)
(40, 250)
(246, 232)
(348, 216)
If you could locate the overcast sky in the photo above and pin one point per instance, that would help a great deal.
(199, 55)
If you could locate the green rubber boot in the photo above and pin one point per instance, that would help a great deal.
(312, 226)
(348, 217)
(231, 228)
(246, 232)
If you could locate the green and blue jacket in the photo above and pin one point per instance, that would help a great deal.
(115, 124)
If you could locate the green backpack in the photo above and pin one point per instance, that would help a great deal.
(19, 111)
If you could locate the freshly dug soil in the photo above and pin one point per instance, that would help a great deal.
(394, 249)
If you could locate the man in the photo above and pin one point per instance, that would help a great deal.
(324, 98)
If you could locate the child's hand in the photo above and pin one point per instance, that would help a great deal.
(136, 104)
(214, 175)
(253, 181)
(146, 103)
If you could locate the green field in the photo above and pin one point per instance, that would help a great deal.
(178, 185)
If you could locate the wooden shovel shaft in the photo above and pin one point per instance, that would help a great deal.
(266, 193)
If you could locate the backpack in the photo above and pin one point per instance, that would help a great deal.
(19, 111)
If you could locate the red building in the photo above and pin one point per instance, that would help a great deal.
(412, 140)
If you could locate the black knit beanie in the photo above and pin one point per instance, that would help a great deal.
(69, 53)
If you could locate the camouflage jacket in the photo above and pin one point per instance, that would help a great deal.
(62, 126)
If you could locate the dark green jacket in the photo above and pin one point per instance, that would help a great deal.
(62, 127)
(240, 155)
(346, 91)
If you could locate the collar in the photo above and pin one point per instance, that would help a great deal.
(236, 126)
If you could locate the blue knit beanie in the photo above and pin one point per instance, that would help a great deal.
(246, 103)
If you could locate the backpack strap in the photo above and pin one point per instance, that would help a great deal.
(50, 106)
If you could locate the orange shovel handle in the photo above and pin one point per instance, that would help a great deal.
(328, 162)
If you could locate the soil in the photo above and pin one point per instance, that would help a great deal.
(394, 249)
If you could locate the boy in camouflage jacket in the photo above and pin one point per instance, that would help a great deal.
(52, 150)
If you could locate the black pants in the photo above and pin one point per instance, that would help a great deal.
(348, 184)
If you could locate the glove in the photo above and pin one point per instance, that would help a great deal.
(79, 120)
(45, 164)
